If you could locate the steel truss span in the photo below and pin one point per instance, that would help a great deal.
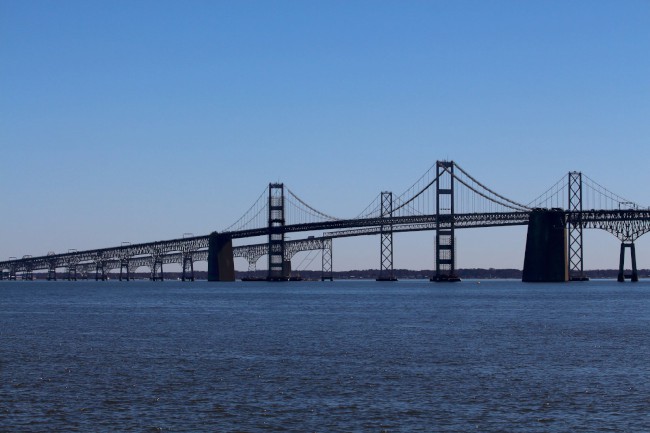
(444, 199)
(626, 224)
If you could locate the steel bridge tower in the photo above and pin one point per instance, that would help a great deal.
(574, 227)
(276, 233)
(326, 263)
(386, 265)
(445, 236)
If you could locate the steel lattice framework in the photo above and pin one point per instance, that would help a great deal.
(386, 239)
(574, 226)
(445, 199)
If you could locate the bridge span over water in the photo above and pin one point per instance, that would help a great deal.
(442, 200)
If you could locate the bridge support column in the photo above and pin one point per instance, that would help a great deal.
(545, 260)
(386, 253)
(124, 268)
(445, 223)
(634, 276)
(276, 233)
(286, 270)
(188, 267)
(100, 271)
(28, 275)
(326, 268)
(157, 263)
(72, 273)
(252, 256)
(574, 228)
(221, 264)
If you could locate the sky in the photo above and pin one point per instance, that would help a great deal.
(135, 121)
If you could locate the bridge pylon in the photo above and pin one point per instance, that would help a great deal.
(386, 254)
(445, 236)
(326, 264)
(221, 265)
(574, 228)
(276, 221)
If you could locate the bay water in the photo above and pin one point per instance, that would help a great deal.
(342, 356)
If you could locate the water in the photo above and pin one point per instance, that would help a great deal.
(499, 356)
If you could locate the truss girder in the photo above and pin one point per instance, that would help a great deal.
(627, 225)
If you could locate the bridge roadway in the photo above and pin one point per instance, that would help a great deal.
(625, 224)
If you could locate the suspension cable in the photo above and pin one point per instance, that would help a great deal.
(537, 199)
(482, 194)
(256, 203)
(489, 190)
(317, 212)
(418, 194)
(609, 194)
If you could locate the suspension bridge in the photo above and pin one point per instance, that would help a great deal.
(445, 198)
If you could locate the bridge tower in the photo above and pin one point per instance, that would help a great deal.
(327, 260)
(277, 266)
(445, 236)
(386, 259)
(574, 227)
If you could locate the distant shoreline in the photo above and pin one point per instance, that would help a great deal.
(370, 274)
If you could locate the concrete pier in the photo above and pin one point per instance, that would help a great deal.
(546, 247)
(221, 264)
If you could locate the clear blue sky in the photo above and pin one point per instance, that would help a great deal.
(143, 120)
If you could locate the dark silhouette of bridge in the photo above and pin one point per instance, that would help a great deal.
(443, 199)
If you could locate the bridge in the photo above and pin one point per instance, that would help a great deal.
(445, 198)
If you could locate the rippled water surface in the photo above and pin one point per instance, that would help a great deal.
(499, 356)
